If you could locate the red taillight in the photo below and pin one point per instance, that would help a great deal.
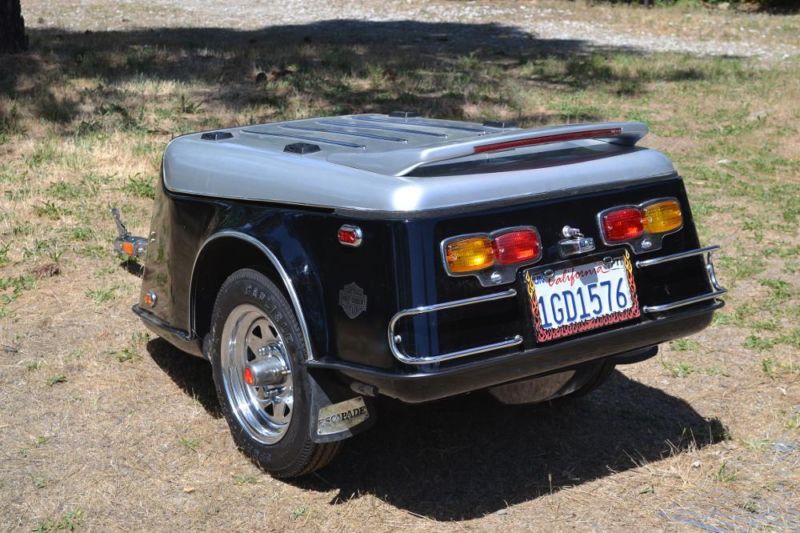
(516, 247)
(548, 139)
(623, 224)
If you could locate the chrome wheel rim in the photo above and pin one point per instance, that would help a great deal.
(250, 337)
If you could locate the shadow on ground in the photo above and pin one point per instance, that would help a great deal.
(191, 374)
(468, 456)
(434, 68)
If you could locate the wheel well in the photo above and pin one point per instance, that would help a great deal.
(219, 259)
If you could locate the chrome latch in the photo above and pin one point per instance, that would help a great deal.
(575, 243)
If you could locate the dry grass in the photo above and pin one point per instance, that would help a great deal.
(103, 427)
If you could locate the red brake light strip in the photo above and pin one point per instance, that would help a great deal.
(547, 139)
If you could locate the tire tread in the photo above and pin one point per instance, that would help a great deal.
(311, 456)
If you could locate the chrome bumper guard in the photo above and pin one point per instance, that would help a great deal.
(705, 253)
(395, 340)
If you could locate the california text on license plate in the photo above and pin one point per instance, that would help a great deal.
(581, 297)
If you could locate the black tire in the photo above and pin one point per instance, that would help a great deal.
(294, 454)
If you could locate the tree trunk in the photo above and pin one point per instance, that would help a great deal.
(12, 27)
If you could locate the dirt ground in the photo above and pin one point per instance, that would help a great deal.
(106, 427)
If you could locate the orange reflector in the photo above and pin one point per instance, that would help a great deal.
(248, 376)
(149, 298)
(662, 217)
(350, 235)
(127, 248)
(469, 254)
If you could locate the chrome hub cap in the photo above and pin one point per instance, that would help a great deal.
(257, 374)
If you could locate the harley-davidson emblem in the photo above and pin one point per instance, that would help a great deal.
(353, 300)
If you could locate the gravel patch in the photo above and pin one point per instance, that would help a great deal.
(559, 22)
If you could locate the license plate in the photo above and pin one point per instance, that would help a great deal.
(581, 297)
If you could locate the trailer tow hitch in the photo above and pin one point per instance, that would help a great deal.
(125, 243)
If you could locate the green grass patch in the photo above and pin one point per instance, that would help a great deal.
(12, 288)
(682, 370)
(760, 344)
(684, 345)
(69, 521)
(245, 480)
(56, 379)
(126, 355)
(63, 190)
(189, 443)
(140, 186)
(743, 267)
(779, 291)
(101, 295)
(792, 339)
(772, 368)
(81, 233)
(50, 210)
(725, 474)
(4, 248)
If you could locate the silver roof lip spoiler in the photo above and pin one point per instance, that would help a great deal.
(354, 169)
(396, 162)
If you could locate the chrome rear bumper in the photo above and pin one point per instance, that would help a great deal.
(396, 340)
(717, 289)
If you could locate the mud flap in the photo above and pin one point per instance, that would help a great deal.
(337, 413)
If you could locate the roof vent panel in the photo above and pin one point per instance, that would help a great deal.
(403, 114)
(216, 135)
(301, 148)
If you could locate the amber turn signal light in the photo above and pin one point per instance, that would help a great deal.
(469, 254)
(662, 216)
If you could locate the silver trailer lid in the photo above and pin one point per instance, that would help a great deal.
(367, 162)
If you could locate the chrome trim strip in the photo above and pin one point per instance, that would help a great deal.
(682, 303)
(644, 263)
(287, 281)
(340, 131)
(401, 356)
(353, 124)
(307, 138)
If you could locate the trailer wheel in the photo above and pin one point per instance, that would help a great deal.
(256, 349)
